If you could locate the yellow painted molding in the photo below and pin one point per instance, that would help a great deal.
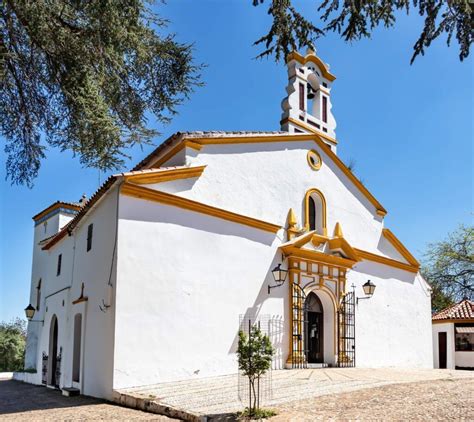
(54, 207)
(386, 261)
(338, 230)
(309, 128)
(400, 247)
(164, 175)
(188, 204)
(292, 221)
(324, 209)
(314, 159)
(186, 143)
(455, 321)
(318, 256)
(344, 246)
(314, 59)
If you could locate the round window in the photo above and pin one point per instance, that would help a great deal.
(314, 160)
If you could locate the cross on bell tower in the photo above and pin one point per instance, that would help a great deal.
(307, 108)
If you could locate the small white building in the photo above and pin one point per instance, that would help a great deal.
(453, 336)
(150, 279)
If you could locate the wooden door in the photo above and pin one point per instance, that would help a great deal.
(442, 349)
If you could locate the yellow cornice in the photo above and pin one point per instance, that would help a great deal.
(386, 261)
(173, 151)
(309, 128)
(314, 59)
(164, 175)
(188, 204)
(54, 207)
(400, 247)
(292, 251)
(343, 244)
(453, 320)
(196, 143)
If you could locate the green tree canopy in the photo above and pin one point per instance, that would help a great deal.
(356, 19)
(81, 75)
(12, 345)
(449, 267)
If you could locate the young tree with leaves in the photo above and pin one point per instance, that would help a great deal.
(356, 19)
(254, 353)
(81, 75)
(449, 267)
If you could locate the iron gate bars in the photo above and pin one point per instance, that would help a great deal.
(346, 331)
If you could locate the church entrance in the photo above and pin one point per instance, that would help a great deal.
(53, 375)
(314, 329)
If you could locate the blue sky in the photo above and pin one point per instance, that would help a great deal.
(408, 128)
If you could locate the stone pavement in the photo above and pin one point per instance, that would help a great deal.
(218, 396)
(22, 402)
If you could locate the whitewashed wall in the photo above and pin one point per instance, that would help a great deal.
(448, 328)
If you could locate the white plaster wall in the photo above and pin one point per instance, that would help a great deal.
(450, 346)
(94, 269)
(393, 327)
(464, 359)
(183, 281)
(265, 180)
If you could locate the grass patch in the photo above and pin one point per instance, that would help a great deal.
(256, 414)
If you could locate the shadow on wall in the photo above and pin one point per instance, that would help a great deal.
(166, 214)
(272, 325)
(385, 272)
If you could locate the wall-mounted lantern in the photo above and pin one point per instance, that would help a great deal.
(369, 289)
(30, 313)
(279, 275)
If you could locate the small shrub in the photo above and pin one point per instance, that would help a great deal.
(260, 413)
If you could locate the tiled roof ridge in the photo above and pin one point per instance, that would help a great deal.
(461, 310)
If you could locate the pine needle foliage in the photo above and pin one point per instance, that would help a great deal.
(81, 76)
(449, 267)
(356, 19)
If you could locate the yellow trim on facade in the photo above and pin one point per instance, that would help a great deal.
(295, 252)
(309, 128)
(165, 175)
(400, 247)
(343, 245)
(324, 209)
(314, 59)
(54, 207)
(317, 158)
(386, 261)
(177, 148)
(188, 204)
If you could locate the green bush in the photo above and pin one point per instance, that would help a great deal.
(12, 345)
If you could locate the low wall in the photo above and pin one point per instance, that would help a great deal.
(30, 378)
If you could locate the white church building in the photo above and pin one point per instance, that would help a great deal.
(148, 280)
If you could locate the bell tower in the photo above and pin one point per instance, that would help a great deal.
(307, 108)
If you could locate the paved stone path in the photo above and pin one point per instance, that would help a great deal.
(23, 402)
(219, 395)
(442, 400)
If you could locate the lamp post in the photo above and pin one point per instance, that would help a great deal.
(279, 275)
(30, 313)
(369, 289)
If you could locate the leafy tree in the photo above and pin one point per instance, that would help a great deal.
(81, 75)
(356, 19)
(254, 354)
(449, 267)
(12, 345)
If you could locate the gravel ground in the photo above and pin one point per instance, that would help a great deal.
(26, 402)
(442, 400)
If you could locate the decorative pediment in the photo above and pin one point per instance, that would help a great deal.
(316, 247)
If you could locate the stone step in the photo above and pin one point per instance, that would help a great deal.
(310, 365)
(70, 391)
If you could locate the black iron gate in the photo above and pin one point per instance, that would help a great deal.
(44, 369)
(299, 350)
(346, 332)
(58, 368)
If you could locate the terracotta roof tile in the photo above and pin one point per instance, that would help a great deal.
(461, 310)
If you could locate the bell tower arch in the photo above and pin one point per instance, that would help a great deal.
(307, 107)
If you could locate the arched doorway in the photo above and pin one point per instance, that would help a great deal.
(53, 353)
(314, 329)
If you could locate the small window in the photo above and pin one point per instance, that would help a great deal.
(45, 225)
(301, 97)
(312, 214)
(89, 236)
(38, 295)
(464, 338)
(58, 271)
(325, 109)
